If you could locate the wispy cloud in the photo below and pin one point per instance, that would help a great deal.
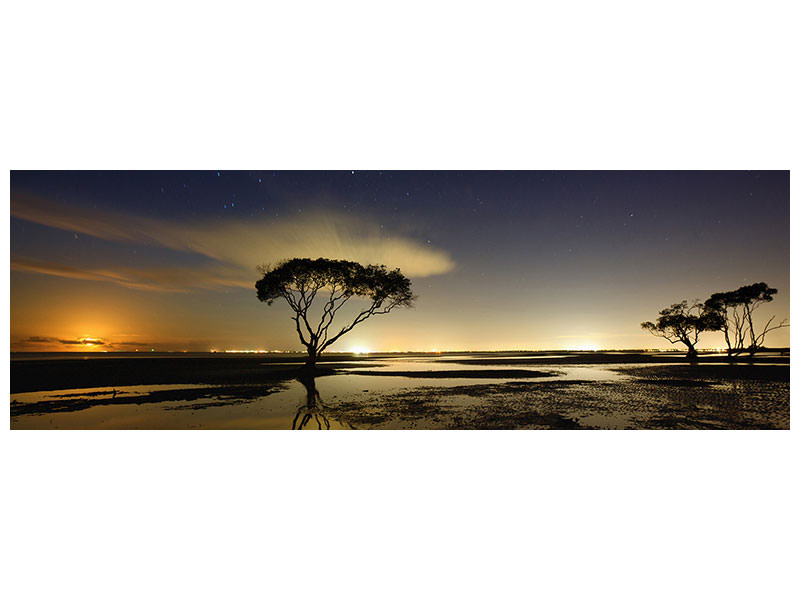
(38, 339)
(41, 343)
(161, 279)
(237, 246)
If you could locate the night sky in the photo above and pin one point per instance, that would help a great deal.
(499, 260)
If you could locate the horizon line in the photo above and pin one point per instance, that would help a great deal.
(365, 352)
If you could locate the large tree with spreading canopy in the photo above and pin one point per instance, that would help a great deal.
(300, 281)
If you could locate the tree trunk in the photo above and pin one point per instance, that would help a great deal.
(728, 340)
(311, 359)
(752, 331)
(692, 353)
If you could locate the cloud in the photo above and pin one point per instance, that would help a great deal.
(40, 343)
(313, 235)
(83, 342)
(38, 339)
(237, 246)
(160, 279)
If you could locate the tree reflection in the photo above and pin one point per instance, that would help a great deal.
(313, 408)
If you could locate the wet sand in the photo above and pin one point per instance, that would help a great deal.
(661, 399)
(565, 391)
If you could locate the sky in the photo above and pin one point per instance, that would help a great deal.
(499, 260)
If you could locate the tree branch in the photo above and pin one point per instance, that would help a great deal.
(374, 309)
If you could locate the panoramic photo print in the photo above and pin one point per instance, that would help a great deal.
(321, 300)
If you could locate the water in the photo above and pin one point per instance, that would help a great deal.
(540, 395)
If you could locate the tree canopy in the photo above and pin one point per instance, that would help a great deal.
(300, 280)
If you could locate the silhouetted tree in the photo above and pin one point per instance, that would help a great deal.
(736, 309)
(727, 305)
(298, 281)
(683, 323)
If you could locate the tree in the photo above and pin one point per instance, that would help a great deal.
(726, 304)
(300, 280)
(736, 309)
(683, 323)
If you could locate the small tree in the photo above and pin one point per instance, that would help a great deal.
(298, 281)
(736, 309)
(683, 323)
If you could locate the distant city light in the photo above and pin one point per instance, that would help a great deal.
(248, 351)
(587, 347)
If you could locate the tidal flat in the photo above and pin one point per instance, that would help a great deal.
(511, 390)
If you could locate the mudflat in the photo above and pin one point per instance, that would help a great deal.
(531, 390)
